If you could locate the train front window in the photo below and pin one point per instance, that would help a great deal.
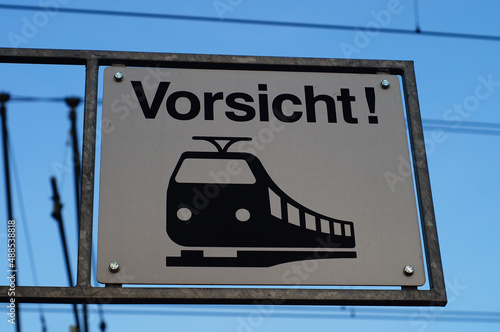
(221, 171)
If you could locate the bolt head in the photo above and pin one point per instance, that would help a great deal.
(118, 76)
(114, 267)
(408, 270)
(385, 84)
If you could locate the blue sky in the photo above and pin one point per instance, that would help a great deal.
(463, 162)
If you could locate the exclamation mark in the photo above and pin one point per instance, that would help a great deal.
(370, 99)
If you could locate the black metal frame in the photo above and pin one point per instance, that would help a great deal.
(83, 292)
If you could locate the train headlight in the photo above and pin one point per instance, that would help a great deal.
(184, 214)
(242, 215)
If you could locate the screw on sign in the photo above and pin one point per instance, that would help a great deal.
(408, 270)
(114, 267)
(118, 76)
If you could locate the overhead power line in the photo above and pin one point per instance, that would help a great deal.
(37, 99)
(464, 127)
(367, 313)
(251, 22)
(33, 99)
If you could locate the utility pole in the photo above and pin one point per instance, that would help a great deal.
(4, 97)
(73, 102)
(56, 213)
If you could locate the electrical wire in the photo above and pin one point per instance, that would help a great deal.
(464, 127)
(37, 99)
(253, 22)
(42, 99)
(367, 313)
(456, 126)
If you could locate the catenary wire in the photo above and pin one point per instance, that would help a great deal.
(456, 126)
(464, 127)
(428, 314)
(252, 22)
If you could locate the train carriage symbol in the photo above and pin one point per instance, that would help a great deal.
(233, 202)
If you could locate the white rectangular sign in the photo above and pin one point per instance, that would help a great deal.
(255, 177)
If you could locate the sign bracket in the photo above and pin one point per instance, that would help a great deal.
(85, 292)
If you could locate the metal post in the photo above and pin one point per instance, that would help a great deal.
(88, 160)
(87, 185)
(56, 213)
(4, 97)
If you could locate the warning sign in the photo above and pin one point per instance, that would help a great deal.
(213, 176)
